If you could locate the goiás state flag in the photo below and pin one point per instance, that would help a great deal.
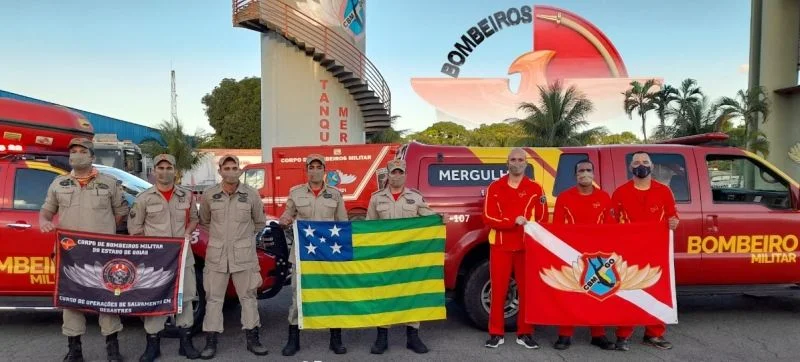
(118, 274)
(600, 275)
(369, 273)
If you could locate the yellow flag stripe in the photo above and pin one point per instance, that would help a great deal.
(399, 236)
(377, 319)
(362, 294)
(372, 265)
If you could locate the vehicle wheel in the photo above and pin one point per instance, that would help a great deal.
(477, 289)
(199, 306)
(358, 215)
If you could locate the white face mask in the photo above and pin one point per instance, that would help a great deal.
(80, 161)
(315, 176)
(397, 181)
(165, 177)
(230, 177)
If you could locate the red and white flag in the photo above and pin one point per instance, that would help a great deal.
(600, 275)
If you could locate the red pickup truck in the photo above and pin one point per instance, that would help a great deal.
(33, 151)
(740, 216)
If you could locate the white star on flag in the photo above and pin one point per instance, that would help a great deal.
(321, 239)
(335, 230)
(336, 248)
(311, 249)
(309, 231)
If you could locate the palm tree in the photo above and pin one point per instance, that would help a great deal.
(698, 117)
(558, 118)
(388, 135)
(176, 143)
(749, 106)
(640, 98)
(663, 99)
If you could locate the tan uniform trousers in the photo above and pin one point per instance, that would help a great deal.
(185, 319)
(75, 323)
(216, 284)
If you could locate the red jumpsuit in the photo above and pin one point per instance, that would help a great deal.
(572, 207)
(632, 205)
(502, 206)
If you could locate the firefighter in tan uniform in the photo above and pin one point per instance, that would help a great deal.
(234, 215)
(318, 202)
(396, 201)
(85, 200)
(168, 210)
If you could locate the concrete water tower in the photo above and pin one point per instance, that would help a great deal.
(317, 86)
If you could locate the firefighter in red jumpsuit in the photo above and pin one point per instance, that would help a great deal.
(511, 201)
(643, 199)
(583, 204)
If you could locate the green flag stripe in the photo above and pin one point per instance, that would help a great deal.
(320, 309)
(367, 280)
(375, 226)
(409, 248)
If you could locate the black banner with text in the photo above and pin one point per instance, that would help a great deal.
(118, 274)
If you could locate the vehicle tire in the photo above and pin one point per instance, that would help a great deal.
(357, 215)
(476, 298)
(170, 329)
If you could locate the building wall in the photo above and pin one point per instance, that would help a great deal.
(777, 47)
(102, 124)
(302, 103)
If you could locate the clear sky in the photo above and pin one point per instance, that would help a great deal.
(114, 58)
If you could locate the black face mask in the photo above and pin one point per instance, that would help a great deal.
(641, 171)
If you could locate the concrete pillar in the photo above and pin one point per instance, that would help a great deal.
(776, 65)
(302, 103)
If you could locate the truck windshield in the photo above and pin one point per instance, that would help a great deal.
(130, 183)
(109, 157)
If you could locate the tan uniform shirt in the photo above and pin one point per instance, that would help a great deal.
(409, 204)
(92, 208)
(327, 206)
(233, 222)
(152, 215)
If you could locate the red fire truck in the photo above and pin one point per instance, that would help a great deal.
(356, 170)
(740, 216)
(33, 151)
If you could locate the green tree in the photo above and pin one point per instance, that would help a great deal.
(749, 106)
(388, 135)
(698, 117)
(754, 142)
(624, 138)
(640, 98)
(558, 119)
(502, 134)
(234, 111)
(443, 133)
(176, 143)
(663, 100)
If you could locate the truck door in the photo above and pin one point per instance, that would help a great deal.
(25, 264)
(750, 231)
(674, 167)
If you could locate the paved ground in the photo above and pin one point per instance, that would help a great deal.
(710, 329)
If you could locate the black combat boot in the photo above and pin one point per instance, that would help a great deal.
(153, 349)
(413, 342)
(381, 341)
(253, 344)
(112, 348)
(75, 353)
(293, 343)
(187, 348)
(336, 341)
(211, 346)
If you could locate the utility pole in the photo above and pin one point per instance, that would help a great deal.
(174, 98)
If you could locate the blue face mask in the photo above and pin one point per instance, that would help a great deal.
(641, 171)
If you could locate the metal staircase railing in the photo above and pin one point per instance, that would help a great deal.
(341, 57)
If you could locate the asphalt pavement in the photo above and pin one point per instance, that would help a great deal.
(720, 328)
